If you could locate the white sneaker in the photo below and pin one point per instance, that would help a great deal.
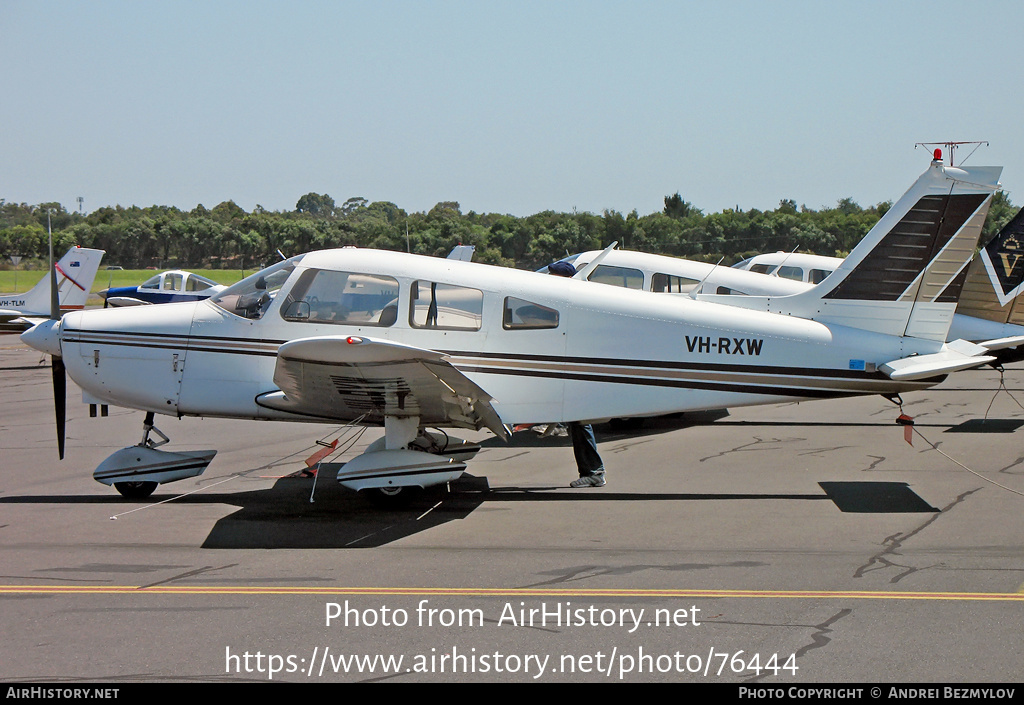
(589, 481)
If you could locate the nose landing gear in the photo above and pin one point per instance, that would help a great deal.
(136, 471)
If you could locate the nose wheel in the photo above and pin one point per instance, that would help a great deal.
(136, 471)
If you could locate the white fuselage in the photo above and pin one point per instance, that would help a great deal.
(614, 352)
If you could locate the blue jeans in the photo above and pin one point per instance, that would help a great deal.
(584, 447)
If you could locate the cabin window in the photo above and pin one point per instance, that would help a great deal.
(195, 283)
(525, 315)
(436, 305)
(762, 268)
(251, 297)
(671, 284)
(172, 282)
(818, 275)
(794, 273)
(342, 298)
(618, 276)
(151, 283)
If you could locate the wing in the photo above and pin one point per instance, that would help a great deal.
(339, 377)
(127, 301)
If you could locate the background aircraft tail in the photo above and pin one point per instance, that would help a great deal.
(907, 274)
(995, 278)
(75, 274)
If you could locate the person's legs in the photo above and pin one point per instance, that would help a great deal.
(588, 460)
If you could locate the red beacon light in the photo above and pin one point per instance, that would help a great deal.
(353, 340)
(937, 156)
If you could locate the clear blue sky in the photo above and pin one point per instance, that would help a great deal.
(511, 107)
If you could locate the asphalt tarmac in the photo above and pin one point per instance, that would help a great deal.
(768, 546)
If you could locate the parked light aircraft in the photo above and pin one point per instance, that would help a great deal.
(797, 266)
(75, 274)
(414, 342)
(987, 308)
(166, 287)
(673, 275)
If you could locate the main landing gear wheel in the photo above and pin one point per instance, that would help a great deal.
(391, 497)
(135, 490)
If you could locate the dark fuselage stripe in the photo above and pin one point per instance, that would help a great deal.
(670, 364)
(188, 342)
(782, 388)
(781, 391)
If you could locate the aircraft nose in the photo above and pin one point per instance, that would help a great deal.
(44, 337)
(103, 293)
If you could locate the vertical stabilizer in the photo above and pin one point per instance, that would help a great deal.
(75, 274)
(905, 277)
(995, 278)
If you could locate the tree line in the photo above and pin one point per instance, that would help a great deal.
(228, 237)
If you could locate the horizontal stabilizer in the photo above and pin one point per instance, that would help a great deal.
(955, 356)
(1003, 343)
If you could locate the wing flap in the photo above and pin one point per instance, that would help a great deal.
(350, 377)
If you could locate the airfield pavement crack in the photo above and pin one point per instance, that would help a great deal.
(879, 459)
(819, 639)
(626, 445)
(913, 402)
(1015, 463)
(188, 574)
(893, 544)
(948, 406)
(818, 451)
(493, 459)
(586, 572)
(758, 444)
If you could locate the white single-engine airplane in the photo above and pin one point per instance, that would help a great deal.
(75, 271)
(414, 342)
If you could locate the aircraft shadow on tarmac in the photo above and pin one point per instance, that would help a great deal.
(283, 516)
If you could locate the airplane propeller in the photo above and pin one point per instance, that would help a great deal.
(60, 384)
(57, 371)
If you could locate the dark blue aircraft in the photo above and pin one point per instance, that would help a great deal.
(166, 287)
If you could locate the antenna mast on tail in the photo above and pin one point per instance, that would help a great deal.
(951, 148)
